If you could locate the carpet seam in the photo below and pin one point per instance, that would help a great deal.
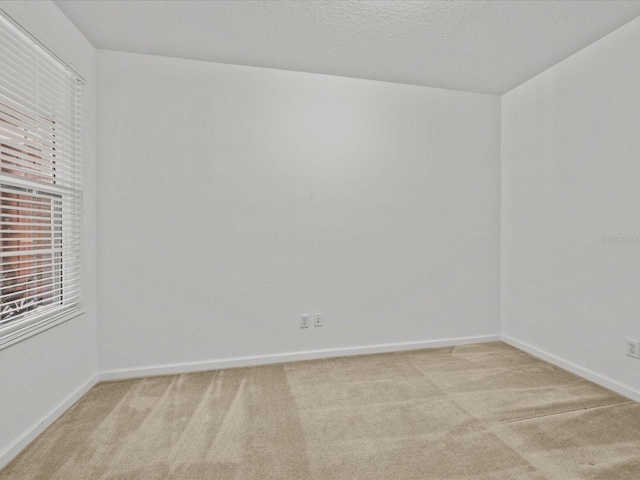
(592, 407)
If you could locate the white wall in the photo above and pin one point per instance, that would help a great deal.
(232, 199)
(45, 372)
(571, 182)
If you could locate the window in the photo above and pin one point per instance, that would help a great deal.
(40, 187)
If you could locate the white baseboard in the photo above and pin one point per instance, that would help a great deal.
(602, 380)
(12, 451)
(174, 368)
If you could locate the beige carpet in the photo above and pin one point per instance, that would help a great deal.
(484, 411)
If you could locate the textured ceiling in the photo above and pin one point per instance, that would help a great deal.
(478, 46)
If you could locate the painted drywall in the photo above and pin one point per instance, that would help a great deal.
(233, 199)
(43, 374)
(571, 210)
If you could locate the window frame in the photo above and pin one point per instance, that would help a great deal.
(65, 229)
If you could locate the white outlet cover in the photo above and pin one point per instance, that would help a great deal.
(633, 348)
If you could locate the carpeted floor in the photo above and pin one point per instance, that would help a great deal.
(484, 411)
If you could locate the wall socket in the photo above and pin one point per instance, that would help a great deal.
(633, 348)
(304, 321)
(317, 319)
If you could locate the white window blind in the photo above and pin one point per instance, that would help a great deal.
(40, 187)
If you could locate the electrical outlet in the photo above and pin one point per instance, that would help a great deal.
(317, 320)
(633, 348)
(304, 321)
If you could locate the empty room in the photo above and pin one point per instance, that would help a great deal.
(319, 240)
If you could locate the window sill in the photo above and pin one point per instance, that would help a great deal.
(32, 328)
